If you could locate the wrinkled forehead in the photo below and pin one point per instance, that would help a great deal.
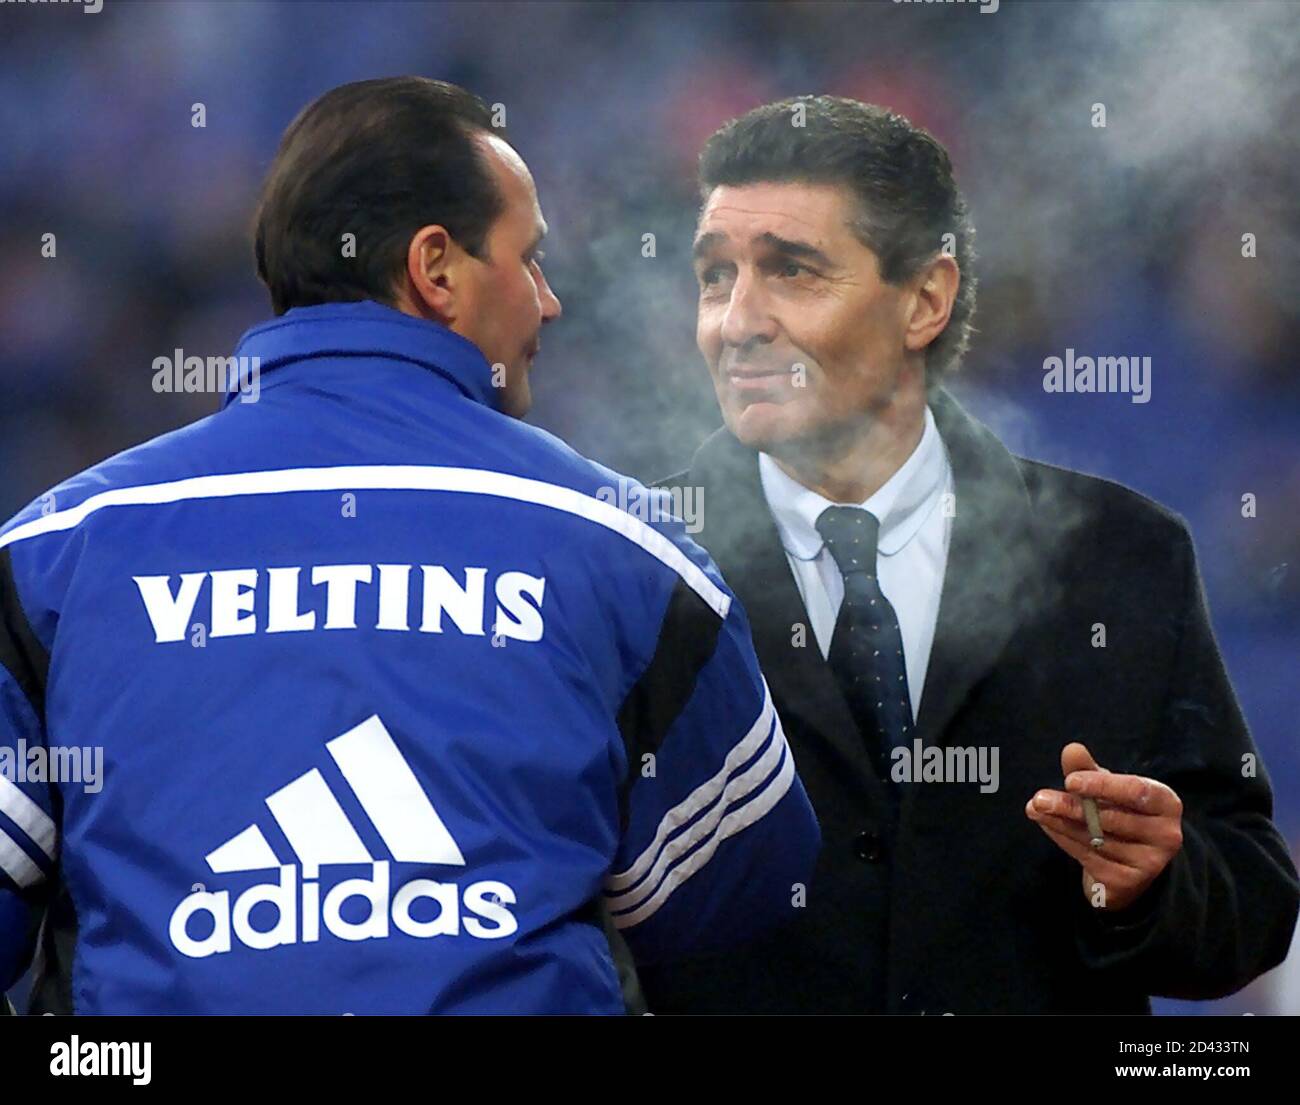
(742, 216)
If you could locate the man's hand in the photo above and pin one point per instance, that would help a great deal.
(1142, 820)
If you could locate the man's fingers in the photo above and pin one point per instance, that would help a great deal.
(1123, 852)
(1076, 757)
(1141, 828)
(1104, 870)
(1134, 792)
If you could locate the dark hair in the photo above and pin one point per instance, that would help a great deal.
(900, 174)
(377, 159)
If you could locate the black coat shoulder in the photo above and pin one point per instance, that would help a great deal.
(1064, 499)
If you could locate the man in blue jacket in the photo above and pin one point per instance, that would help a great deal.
(365, 697)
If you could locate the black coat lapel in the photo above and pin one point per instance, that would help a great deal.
(740, 534)
(994, 560)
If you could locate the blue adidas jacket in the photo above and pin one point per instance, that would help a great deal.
(366, 698)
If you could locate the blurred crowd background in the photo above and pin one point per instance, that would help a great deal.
(1118, 240)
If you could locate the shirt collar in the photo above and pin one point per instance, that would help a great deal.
(367, 328)
(901, 505)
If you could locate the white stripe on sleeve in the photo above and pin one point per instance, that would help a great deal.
(731, 824)
(29, 817)
(17, 864)
(750, 781)
(703, 796)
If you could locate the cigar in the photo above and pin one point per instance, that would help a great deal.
(1094, 822)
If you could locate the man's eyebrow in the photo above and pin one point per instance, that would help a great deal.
(785, 246)
(791, 248)
(704, 243)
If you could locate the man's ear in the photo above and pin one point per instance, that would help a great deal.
(934, 290)
(433, 262)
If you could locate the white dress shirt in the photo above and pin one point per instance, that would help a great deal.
(912, 551)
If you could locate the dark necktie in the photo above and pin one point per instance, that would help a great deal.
(867, 648)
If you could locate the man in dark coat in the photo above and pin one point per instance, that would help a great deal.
(964, 645)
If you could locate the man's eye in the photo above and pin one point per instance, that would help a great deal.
(793, 269)
(711, 275)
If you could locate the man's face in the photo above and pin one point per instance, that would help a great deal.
(507, 300)
(801, 335)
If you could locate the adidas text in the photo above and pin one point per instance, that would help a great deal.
(481, 911)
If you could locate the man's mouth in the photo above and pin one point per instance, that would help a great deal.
(755, 377)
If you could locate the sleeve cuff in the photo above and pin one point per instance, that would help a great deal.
(1106, 934)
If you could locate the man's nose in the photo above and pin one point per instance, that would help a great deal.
(747, 318)
(551, 308)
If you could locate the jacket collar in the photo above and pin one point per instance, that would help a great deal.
(369, 329)
(901, 504)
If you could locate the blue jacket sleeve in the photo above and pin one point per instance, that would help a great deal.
(28, 832)
(720, 839)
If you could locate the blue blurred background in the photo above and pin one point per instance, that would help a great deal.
(1118, 240)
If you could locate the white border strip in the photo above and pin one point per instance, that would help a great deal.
(731, 825)
(741, 787)
(28, 816)
(704, 795)
(17, 864)
(392, 477)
